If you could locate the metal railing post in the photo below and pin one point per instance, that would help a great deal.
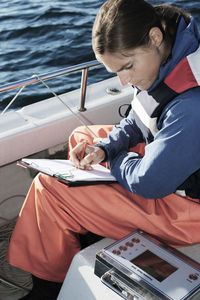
(83, 89)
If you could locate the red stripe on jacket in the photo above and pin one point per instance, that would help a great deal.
(181, 78)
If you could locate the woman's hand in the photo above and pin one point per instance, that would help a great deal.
(83, 157)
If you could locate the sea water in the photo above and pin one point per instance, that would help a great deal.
(41, 36)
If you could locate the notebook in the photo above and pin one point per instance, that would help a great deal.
(64, 171)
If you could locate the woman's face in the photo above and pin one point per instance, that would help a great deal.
(139, 67)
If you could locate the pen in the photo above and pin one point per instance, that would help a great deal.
(83, 150)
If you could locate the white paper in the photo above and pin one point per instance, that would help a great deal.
(64, 168)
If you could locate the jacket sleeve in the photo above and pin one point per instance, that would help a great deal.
(121, 138)
(171, 158)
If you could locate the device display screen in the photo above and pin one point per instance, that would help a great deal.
(155, 266)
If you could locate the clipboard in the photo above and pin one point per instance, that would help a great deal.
(64, 171)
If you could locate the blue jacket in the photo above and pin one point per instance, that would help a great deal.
(173, 155)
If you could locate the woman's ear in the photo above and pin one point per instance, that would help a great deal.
(156, 36)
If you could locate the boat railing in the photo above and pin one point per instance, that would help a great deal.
(84, 67)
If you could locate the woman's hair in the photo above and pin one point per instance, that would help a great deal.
(122, 25)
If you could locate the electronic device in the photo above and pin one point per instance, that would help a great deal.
(139, 267)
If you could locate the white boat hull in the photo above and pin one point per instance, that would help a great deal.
(42, 129)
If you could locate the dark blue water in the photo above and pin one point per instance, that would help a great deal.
(41, 36)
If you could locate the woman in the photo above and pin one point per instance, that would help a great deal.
(155, 49)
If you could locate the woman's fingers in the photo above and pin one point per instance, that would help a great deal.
(76, 153)
(83, 156)
(95, 156)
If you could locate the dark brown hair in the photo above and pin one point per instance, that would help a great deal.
(122, 25)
